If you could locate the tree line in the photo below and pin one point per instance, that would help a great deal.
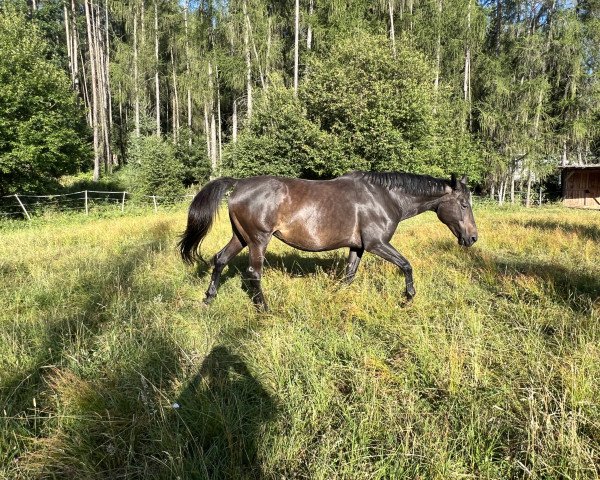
(177, 91)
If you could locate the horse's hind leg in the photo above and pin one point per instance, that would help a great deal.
(257, 250)
(353, 262)
(220, 260)
(389, 253)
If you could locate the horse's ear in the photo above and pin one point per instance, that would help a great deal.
(463, 180)
(453, 183)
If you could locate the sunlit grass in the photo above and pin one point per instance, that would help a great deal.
(110, 367)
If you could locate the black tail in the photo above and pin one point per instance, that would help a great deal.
(201, 215)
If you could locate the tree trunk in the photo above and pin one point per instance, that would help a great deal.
(156, 77)
(100, 61)
(528, 199)
(97, 59)
(309, 32)
(512, 188)
(296, 45)
(248, 60)
(213, 145)
(96, 175)
(108, 89)
(207, 132)
(175, 100)
(136, 75)
(392, 28)
(502, 192)
(260, 73)
(86, 93)
(268, 54)
(498, 31)
(467, 74)
(69, 43)
(219, 133)
(189, 112)
(143, 22)
(122, 124)
(75, 47)
(234, 121)
(438, 47)
(187, 70)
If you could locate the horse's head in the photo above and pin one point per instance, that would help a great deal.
(455, 211)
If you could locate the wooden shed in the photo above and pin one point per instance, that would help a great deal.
(581, 186)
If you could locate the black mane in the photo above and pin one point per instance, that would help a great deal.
(407, 182)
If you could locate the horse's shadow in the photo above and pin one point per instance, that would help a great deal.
(294, 264)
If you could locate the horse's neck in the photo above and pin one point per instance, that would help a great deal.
(412, 205)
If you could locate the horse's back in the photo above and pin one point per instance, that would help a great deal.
(307, 214)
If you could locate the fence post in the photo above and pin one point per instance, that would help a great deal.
(123, 202)
(86, 203)
(155, 206)
(22, 206)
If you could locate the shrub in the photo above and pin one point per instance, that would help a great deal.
(42, 127)
(280, 140)
(193, 159)
(158, 171)
(359, 109)
(385, 110)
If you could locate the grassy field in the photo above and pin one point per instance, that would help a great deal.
(110, 367)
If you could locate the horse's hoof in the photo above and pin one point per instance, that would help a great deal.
(207, 301)
(263, 309)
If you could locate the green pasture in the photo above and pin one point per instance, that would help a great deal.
(111, 368)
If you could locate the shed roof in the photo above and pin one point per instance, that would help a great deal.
(580, 167)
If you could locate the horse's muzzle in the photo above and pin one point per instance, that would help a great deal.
(467, 241)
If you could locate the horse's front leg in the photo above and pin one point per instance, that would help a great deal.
(353, 262)
(389, 253)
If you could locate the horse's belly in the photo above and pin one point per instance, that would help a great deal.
(310, 237)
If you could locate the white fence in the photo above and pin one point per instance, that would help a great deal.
(25, 206)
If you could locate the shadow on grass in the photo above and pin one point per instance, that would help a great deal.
(293, 263)
(95, 290)
(222, 410)
(91, 407)
(590, 232)
(566, 285)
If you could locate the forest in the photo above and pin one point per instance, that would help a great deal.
(169, 93)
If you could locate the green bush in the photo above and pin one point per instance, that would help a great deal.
(158, 172)
(280, 140)
(42, 126)
(193, 158)
(385, 110)
(359, 109)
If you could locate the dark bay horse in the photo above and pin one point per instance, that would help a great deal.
(359, 211)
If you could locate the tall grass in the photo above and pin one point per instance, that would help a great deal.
(110, 367)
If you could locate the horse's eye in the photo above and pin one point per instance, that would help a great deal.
(463, 206)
